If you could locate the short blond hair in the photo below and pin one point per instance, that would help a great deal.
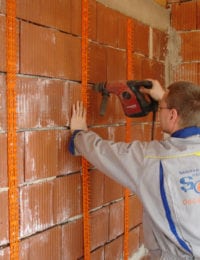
(184, 96)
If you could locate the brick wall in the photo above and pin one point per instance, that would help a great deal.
(48, 83)
(188, 32)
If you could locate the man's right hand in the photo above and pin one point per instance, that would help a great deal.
(156, 92)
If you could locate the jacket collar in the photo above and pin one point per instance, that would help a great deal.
(186, 132)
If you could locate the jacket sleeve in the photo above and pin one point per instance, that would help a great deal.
(121, 161)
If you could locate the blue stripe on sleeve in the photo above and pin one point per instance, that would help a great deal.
(168, 212)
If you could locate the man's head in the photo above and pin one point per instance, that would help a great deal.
(180, 106)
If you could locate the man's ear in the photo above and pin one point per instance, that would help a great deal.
(174, 115)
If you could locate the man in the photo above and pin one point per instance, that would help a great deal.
(164, 174)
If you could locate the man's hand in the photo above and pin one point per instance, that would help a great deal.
(78, 119)
(156, 92)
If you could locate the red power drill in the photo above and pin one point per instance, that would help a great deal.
(134, 103)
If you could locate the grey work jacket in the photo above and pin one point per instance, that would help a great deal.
(166, 177)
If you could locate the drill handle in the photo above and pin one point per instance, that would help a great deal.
(142, 83)
(104, 102)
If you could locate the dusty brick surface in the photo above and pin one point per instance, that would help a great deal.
(180, 19)
(189, 47)
(72, 242)
(99, 227)
(5, 253)
(96, 184)
(140, 38)
(159, 44)
(49, 13)
(112, 190)
(3, 6)
(113, 250)
(3, 43)
(107, 18)
(116, 224)
(135, 212)
(49, 246)
(187, 71)
(117, 57)
(41, 156)
(57, 54)
(3, 108)
(4, 224)
(36, 212)
(3, 161)
(67, 197)
(42, 102)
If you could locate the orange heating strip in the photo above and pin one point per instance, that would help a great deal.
(85, 184)
(13, 194)
(128, 138)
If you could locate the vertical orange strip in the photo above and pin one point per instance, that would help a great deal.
(11, 61)
(86, 217)
(128, 138)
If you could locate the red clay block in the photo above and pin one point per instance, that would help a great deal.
(180, 19)
(3, 161)
(41, 155)
(4, 236)
(114, 249)
(141, 38)
(36, 212)
(76, 17)
(45, 245)
(186, 71)
(97, 63)
(96, 188)
(67, 197)
(134, 240)
(3, 108)
(52, 13)
(92, 18)
(3, 43)
(112, 190)
(159, 44)
(116, 219)
(198, 74)
(158, 133)
(116, 62)
(19, 158)
(190, 50)
(72, 239)
(198, 14)
(141, 235)
(148, 132)
(153, 69)
(117, 134)
(98, 254)
(135, 212)
(42, 102)
(137, 132)
(137, 66)
(3, 6)
(99, 227)
(5, 253)
(122, 31)
(55, 54)
(107, 18)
